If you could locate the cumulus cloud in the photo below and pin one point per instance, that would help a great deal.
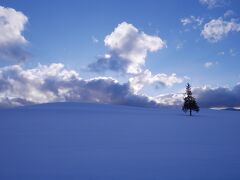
(213, 3)
(216, 29)
(128, 48)
(12, 41)
(146, 78)
(54, 83)
(109, 62)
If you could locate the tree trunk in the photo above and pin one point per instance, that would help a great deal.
(190, 112)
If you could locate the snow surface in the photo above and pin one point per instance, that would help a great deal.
(75, 141)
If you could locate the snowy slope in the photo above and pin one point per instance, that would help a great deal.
(105, 142)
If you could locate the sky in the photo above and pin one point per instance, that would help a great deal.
(134, 53)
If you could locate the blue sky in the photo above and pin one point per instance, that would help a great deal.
(73, 33)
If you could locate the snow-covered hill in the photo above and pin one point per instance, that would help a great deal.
(104, 142)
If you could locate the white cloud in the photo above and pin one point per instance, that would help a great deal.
(232, 52)
(30, 84)
(172, 99)
(185, 21)
(210, 64)
(54, 83)
(213, 3)
(94, 39)
(128, 48)
(221, 53)
(192, 20)
(12, 41)
(228, 13)
(179, 46)
(146, 78)
(216, 29)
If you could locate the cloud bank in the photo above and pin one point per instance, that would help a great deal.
(218, 97)
(55, 83)
(206, 97)
(12, 41)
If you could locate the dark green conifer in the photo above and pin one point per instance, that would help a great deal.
(190, 103)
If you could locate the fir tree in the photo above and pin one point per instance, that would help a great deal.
(189, 101)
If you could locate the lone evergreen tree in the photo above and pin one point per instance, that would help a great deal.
(189, 101)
